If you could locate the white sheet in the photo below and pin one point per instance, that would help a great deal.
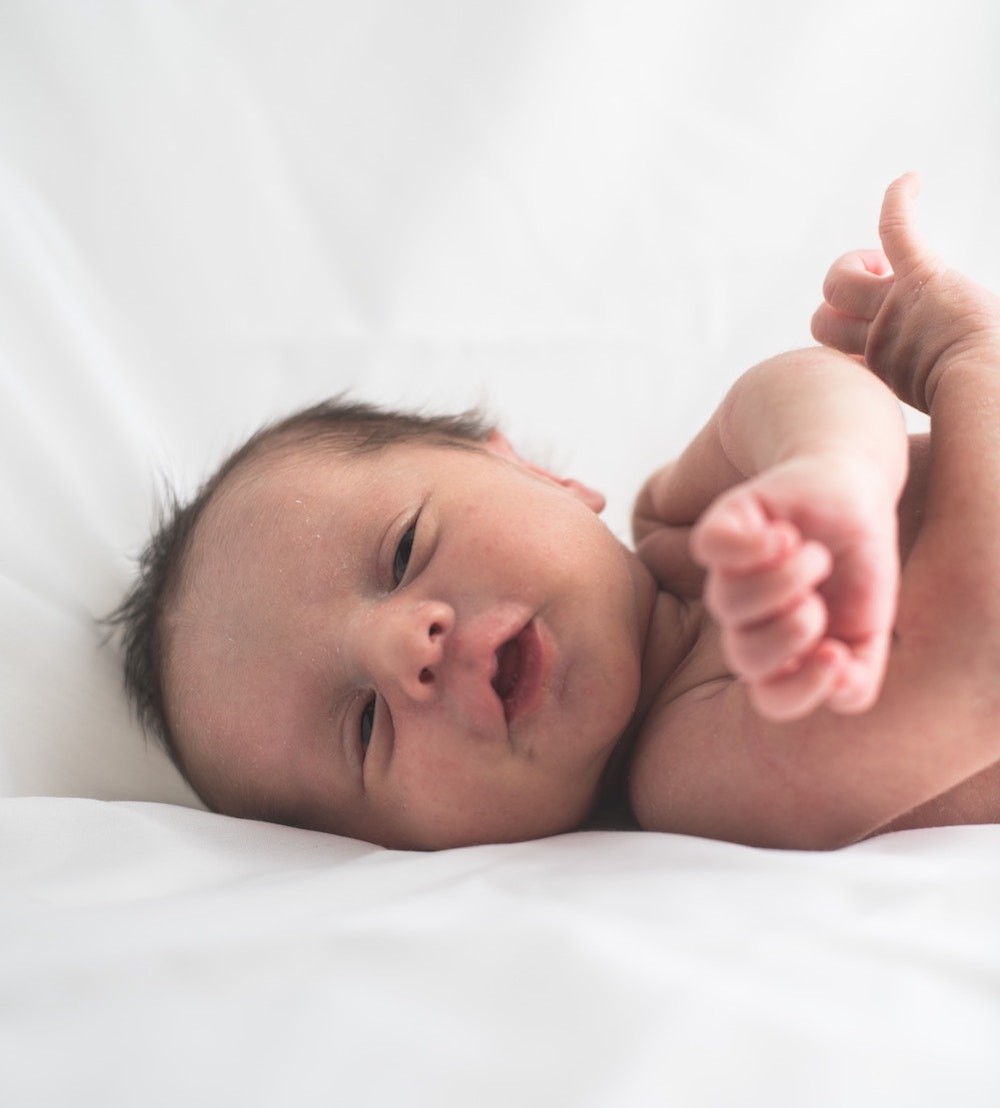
(168, 956)
(589, 216)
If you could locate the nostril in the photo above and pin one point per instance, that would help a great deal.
(426, 677)
(436, 630)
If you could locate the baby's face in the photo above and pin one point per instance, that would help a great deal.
(421, 647)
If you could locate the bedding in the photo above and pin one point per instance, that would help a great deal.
(588, 217)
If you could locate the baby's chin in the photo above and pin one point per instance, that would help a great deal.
(492, 823)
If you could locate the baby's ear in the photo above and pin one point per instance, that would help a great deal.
(497, 444)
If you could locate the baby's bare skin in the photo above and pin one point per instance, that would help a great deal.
(839, 687)
(426, 647)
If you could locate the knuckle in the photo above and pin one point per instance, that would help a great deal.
(833, 284)
(807, 618)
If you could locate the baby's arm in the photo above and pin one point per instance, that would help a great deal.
(934, 336)
(930, 743)
(791, 489)
(801, 556)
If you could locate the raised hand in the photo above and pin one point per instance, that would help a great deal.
(900, 309)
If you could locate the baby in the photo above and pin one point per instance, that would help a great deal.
(395, 628)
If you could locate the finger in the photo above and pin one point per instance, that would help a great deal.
(847, 334)
(735, 535)
(857, 283)
(904, 246)
(793, 695)
(746, 599)
(768, 648)
(860, 682)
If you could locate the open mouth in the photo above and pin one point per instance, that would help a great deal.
(508, 668)
(518, 677)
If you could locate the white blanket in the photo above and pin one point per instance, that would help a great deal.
(588, 217)
(159, 956)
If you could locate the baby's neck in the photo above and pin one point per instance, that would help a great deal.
(673, 626)
(676, 626)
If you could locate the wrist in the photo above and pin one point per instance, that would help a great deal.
(883, 464)
(836, 480)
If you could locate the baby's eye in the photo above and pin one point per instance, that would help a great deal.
(402, 559)
(367, 721)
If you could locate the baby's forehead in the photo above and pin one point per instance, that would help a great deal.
(293, 478)
(247, 549)
(263, 483)
(268, 478)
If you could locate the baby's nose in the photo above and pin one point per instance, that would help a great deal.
(411, 646)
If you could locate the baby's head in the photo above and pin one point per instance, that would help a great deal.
(390, 627)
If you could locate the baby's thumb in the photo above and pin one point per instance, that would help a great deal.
(904, 246)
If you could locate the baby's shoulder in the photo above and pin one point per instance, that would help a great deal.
(687, 720)
(691, 770)
(706, 763)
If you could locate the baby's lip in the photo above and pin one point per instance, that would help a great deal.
(521, 668)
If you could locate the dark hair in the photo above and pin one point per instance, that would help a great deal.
(336, 424)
